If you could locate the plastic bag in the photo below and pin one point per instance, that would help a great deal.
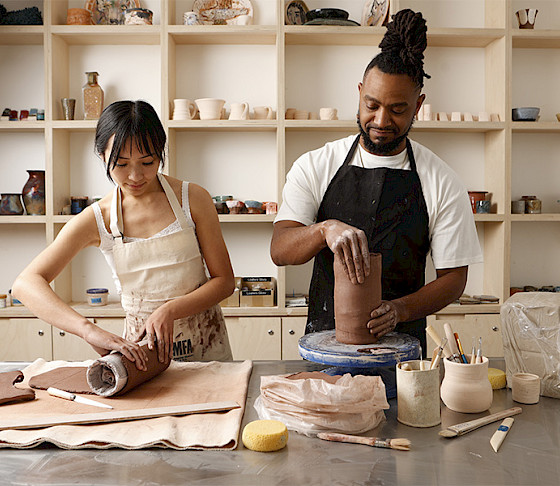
(311, 404)
(531, 338)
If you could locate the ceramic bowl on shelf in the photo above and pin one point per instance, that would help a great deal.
(327, 13)
(527, 113)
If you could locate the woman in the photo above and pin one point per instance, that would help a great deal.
(159, 235)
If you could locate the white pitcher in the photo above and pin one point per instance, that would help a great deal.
(239, 111)
(183, 109)
(263, 112)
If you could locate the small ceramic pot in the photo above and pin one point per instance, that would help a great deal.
(526, 18)
(476, 196)
(10, 205)
(483, 207)
(33, 193)
(138, 16)
(465, 387)
(78, 204)
(525, 388)
(518, 207)
(78, 16)
(97, 297)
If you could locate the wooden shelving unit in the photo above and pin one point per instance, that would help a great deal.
(497, 40)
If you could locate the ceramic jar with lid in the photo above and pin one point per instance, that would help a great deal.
(465, 387)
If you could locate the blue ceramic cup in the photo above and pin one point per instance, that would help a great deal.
(483, 207)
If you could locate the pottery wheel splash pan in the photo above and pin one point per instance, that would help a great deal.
(361, 359)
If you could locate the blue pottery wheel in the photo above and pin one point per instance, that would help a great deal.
(377, 359)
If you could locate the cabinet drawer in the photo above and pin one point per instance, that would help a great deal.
(487, 326)
(255, 338)
(25, 340)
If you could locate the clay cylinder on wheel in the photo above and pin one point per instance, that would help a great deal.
(353, 303)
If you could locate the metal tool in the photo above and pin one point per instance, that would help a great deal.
(55, 392)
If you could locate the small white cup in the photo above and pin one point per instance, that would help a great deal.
(301, 115)
(191, 18)
(328, 114)
(290, 112)
(210, 108)
(526, 388)
(427, 112)
(239, 111)
(483, 116)
(467, 116)
(455, 116)
(183, 109)
(263, 112)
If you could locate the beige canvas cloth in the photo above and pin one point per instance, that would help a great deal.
(180, 384)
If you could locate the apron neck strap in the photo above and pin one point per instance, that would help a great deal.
(116, 223)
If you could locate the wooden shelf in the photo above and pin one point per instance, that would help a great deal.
(541, 218)
(93, 35)
(74, 125)
(226, 125)
(21, 34)
(536, 39)
(223, 34)
(22, 126)
(535, 127)
(247, 218)
(23, 219)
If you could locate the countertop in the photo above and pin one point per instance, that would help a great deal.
(530, 454)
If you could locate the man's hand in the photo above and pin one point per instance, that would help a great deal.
(350, 245)
(384, 318)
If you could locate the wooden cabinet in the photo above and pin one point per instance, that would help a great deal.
(72, 348)
(25, 339)
(292, 329)
(476, 55)
(467, 326)
(255, 338)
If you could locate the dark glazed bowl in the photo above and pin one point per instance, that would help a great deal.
(327, 13)
(528, 113)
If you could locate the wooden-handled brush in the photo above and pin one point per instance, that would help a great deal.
(398, 444)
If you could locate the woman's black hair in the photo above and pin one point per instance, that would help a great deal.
(402, 47)
(134, 120)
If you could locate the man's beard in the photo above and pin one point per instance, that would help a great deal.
(381, 148)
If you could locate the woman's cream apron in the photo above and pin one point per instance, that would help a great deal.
(156, 270)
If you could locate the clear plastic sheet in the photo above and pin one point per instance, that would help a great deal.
(352, 405)
(531, 338)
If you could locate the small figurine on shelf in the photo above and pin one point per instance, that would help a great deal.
(93, 97)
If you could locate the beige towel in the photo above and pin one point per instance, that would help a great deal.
(180, 384)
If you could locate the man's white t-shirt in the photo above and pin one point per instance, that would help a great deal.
(453, 237)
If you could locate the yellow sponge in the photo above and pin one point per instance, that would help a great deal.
(265, 435)
(497, 378)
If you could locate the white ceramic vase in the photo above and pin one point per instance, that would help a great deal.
(465, 387)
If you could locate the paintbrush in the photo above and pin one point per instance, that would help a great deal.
(397, 444)
(465, 427)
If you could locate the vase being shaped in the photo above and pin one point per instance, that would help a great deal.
(353, 303)
(33, 193)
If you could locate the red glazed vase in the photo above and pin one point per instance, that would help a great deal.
(33, 193)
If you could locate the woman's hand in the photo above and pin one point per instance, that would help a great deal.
(103, 342)
(159, 332)
(385, 318)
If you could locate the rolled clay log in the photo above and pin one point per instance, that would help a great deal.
(353, 303)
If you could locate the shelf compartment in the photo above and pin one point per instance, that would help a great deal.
(489, 218)
(536, 39)
(541, 218)
(108, 34)
(22, 219)
(228, 125)
(535, 127)
(75, 125)
(371, 36)
(22, 126)
(419, 126)
(247, 218)
(223, 34)
(21, 34)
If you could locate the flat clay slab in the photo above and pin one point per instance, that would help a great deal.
(70, 379)
(9, 393)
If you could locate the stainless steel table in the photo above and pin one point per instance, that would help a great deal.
(530, 454)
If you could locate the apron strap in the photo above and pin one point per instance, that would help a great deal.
(116, 224)
(177, 210)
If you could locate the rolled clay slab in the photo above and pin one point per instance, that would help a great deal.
(107, 376)
(353, 303)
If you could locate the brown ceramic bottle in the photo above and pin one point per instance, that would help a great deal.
(93, 97)
(353, 303)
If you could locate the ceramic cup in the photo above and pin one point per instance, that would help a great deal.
(239, 111)
(183, 109)
(483, 116)
(525, 388)
(476, 196)
(290, 112)
(191, 18)
(328, 114)
(483, 207)
(518, 207)
(418, 402)
(68, 107)
(427, 112)
(210, 108)
(78, 16)
(262, 112)
(526, 18)
(455, 116)
(301, 115)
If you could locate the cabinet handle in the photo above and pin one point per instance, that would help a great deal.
(291, 331)
(41, 333)
(270, 332)
(62, 333)
(494, 328)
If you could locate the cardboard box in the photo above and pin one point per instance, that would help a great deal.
(258, 292)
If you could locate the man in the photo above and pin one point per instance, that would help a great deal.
(380, 192)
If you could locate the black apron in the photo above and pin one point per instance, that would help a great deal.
(389, 206)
